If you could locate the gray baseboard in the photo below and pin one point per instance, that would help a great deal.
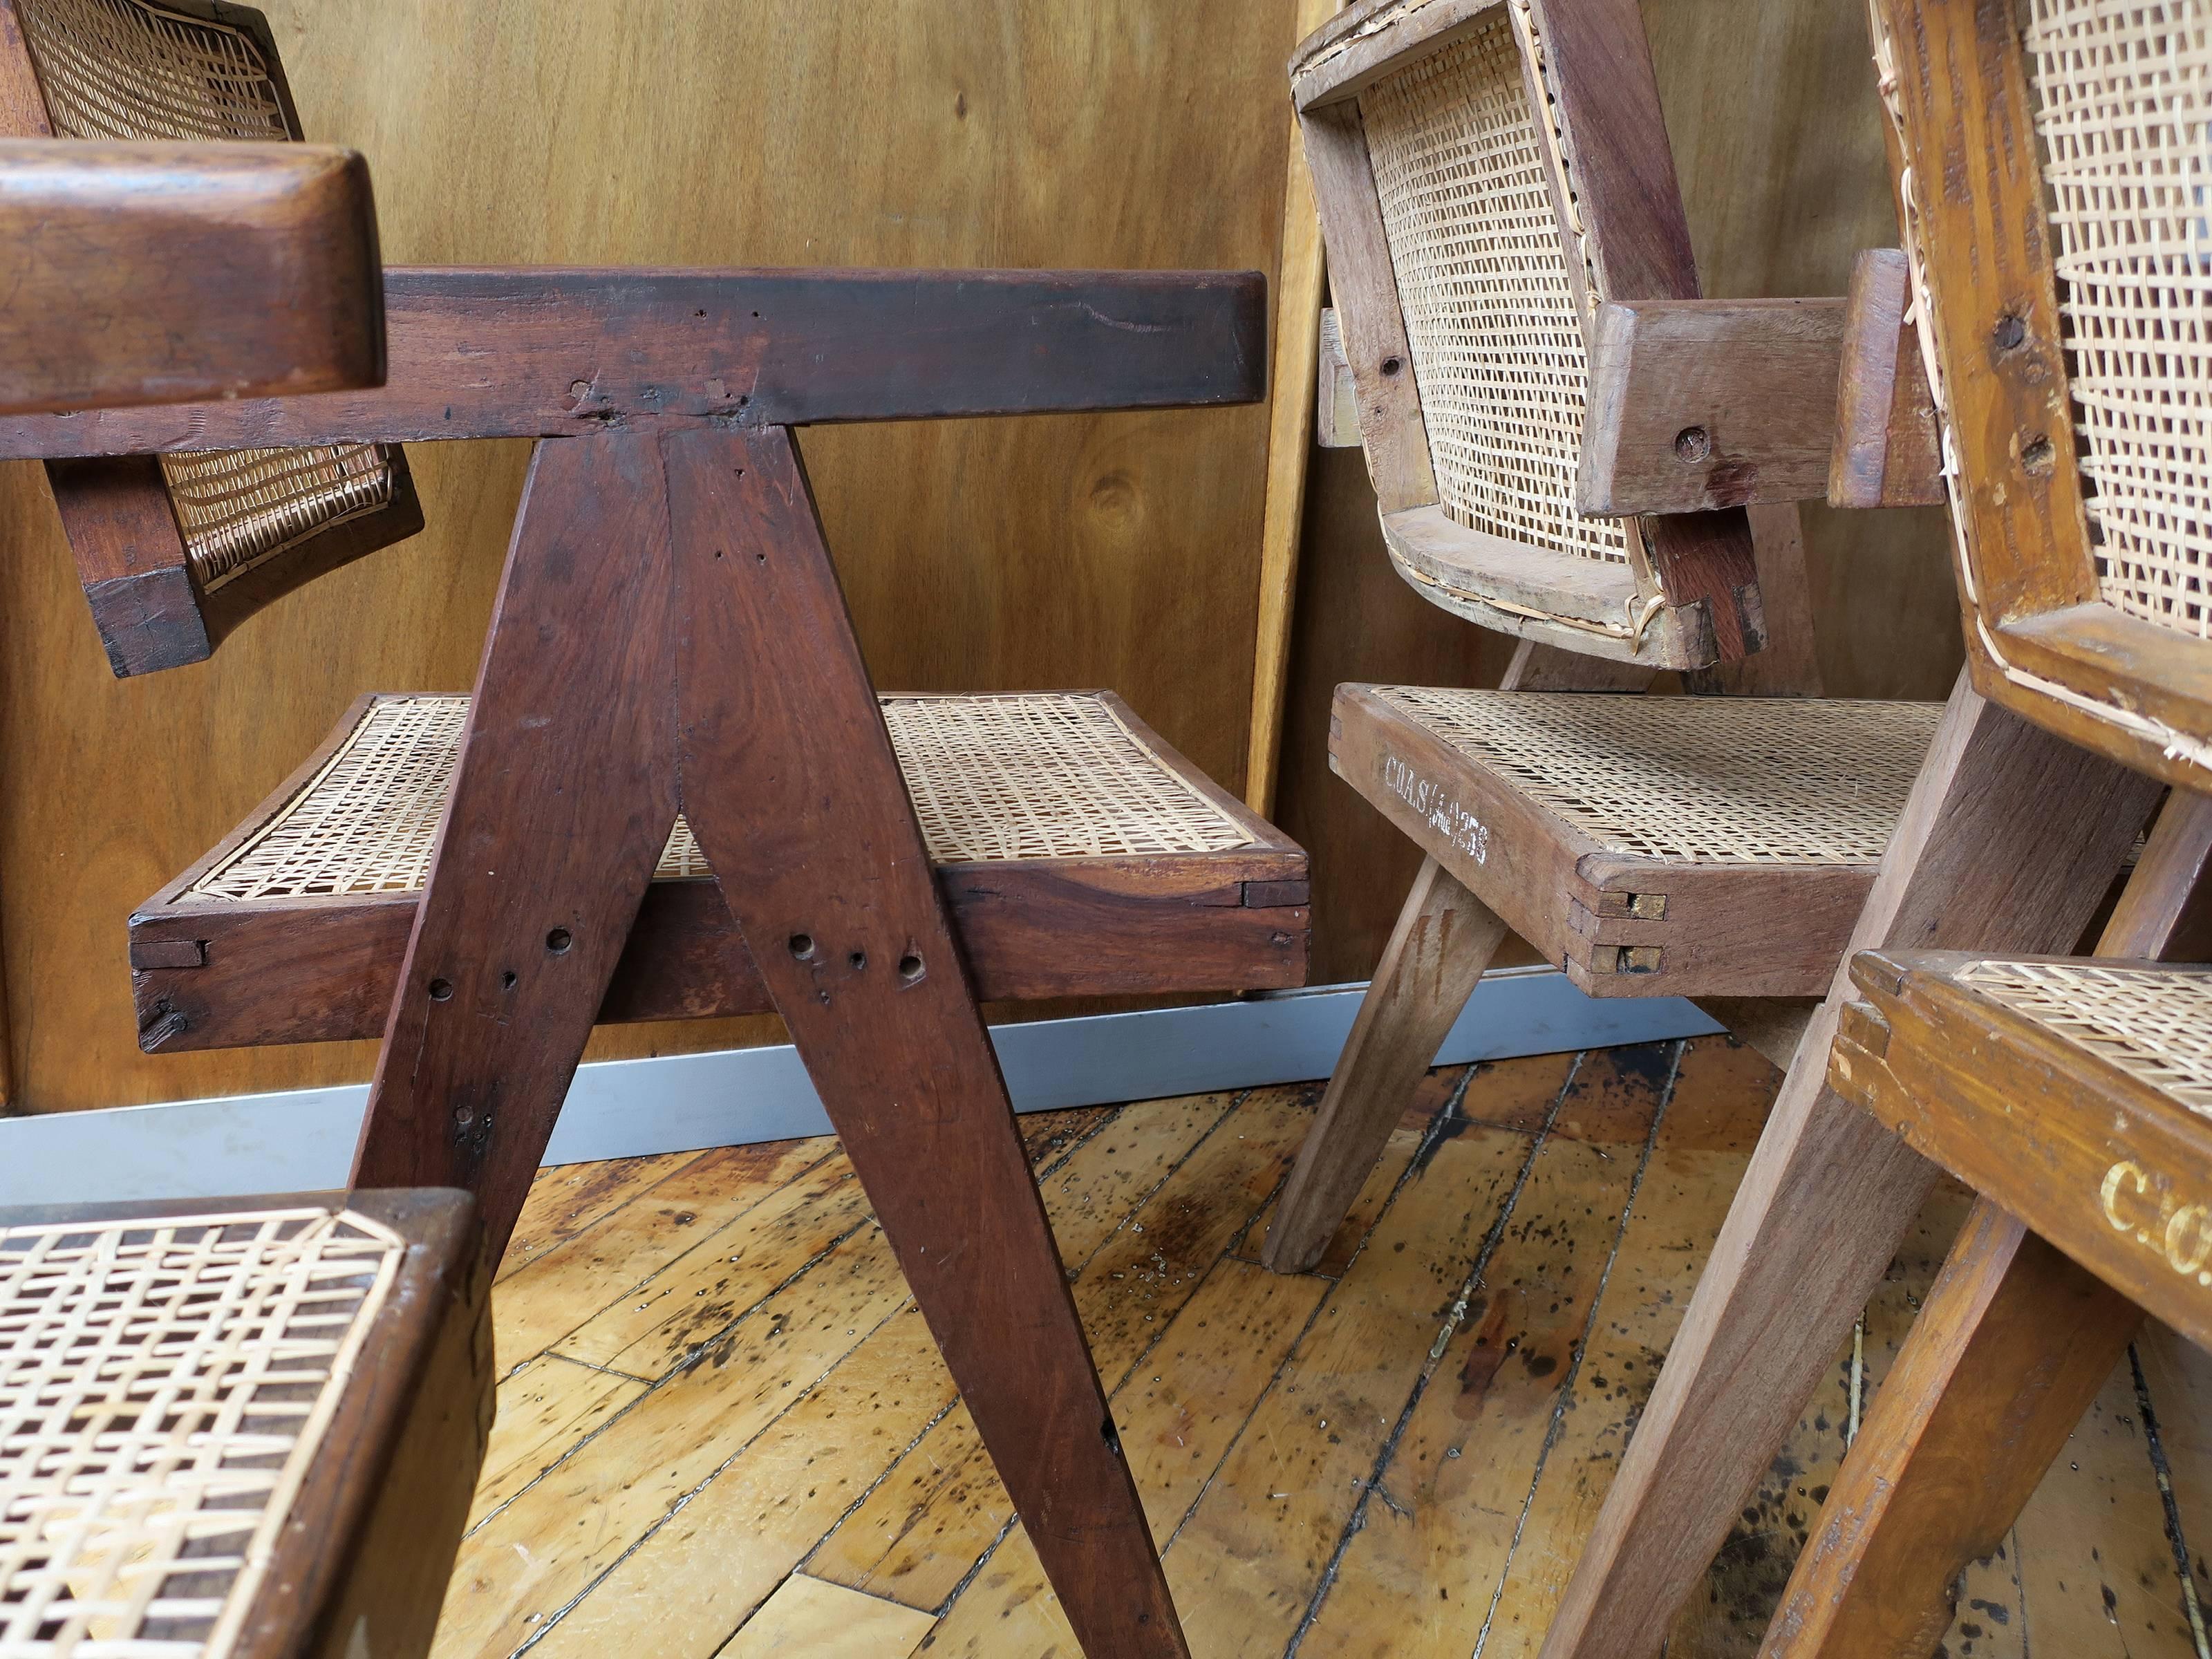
(301, 1139)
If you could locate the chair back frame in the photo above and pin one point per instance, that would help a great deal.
(2004, 363)
(1686, 594)
(155, 604)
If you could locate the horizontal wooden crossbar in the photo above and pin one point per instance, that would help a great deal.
(550, 352)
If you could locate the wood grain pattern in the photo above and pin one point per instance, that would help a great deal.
(796, 798)
(1114, 550)
(182, 273)
(1888, 453)
(1445, 939)
(1702, 403)
(1301, 405)
(1722, 929)
(525, 353)
(564, 796)
(2007, 840)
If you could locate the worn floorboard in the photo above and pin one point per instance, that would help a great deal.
(723, 1429)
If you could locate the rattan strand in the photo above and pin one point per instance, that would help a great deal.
(1699, 779)
(1491, 315)
(122, 69)
(2153, 1023)
(2123, 89)
(1027, 775)
(163, 1387)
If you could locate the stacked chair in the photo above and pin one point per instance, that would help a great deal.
(2064, 287)
(2050, 163)
(674, 791)
(253, 1427)
(1490, 178)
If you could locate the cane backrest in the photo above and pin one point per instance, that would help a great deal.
(2063, 270)
(1476, 213)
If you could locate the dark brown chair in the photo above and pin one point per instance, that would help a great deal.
(671, 689)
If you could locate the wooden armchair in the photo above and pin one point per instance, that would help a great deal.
(174, 552)
(2045, 163)
(248, 1427)
(1493, 179)
(675, 793)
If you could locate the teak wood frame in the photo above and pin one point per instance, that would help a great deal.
(670, 637)
(2040, 639)
(148, 600)
(2023, 1327)
(1688, 596)
(2008, 842)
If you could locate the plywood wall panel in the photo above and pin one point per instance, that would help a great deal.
(1113, 550)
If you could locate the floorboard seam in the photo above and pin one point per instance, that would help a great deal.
(1435, 1127)
(2161, 1468)
(1357, 1521)
(1557, 1426)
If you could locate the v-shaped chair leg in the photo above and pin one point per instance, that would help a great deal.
(561, 801)
(791, 786)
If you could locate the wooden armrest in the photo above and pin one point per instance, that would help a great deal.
(551, 352)
(1702, 403)
(1886, 452)
(142, 274)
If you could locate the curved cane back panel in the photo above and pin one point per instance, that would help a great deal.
(130, 69)
(1493, 317)
(166, 1384)
(2067, 287)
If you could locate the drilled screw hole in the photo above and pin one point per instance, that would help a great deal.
(859, 959)
(559, 940)
(910, 968)
(1693, 444)
(2010, 332)
(1392, 365)
(2036, 454)
(441, 990)
(507, 980)
(801, 946)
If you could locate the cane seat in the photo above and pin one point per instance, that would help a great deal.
(1697, 845)
(2076, 1093)
(1080, 854)
(201, 1412)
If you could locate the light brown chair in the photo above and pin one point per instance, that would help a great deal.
(2047, 161)
(175, 551)
(1494, 180)
(674, 791)
(243, 1427)
(2065, 282)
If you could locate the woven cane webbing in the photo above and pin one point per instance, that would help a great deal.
(1029, 775)
(1482, 265)
(1699, 779)
(125, 69)
(2123, 89)
(2153, 1023)
(163, 1387)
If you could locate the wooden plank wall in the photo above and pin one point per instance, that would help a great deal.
(1118, 550)
(1771, 106)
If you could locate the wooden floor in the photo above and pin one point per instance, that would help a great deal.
(723, 1428)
